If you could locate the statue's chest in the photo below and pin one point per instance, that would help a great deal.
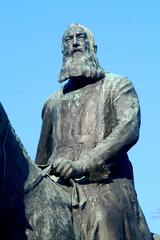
(81, 112)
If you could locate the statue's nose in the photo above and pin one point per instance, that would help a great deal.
(75, 42)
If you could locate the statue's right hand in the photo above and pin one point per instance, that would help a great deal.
(59, 166)
(67, 169)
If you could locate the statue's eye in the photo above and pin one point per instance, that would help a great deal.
(68, 38)
(81, 35)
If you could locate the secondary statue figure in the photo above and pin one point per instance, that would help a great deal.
(88, 127)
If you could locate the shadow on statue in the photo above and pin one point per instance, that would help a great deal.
(13, 175)
(31, 205)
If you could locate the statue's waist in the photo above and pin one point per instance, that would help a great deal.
(119, 167)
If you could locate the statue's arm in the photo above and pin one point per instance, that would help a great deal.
(124, 134)
(44, 146)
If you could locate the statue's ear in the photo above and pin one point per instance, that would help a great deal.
(62, 47)
(95, 48)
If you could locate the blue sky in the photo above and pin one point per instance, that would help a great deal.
(128, 37)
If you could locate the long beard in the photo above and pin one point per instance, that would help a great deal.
(81, 64)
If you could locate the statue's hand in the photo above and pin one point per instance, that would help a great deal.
(67, 168)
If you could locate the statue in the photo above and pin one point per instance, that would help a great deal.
(88, 127)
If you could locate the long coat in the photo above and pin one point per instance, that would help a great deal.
(97, 124)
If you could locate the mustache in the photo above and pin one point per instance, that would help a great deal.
(78, 49)
(71, 52)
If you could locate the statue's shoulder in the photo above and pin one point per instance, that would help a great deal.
(52, 101)
(54, 97)
(113, 80)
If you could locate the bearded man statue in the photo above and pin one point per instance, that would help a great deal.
(88, 127)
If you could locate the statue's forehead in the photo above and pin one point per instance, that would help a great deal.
(74, 29)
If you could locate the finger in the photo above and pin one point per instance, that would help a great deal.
(61, 166)
(68, 174)
(65, 170)
(56, 163)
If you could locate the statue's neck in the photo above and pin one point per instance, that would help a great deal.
(77, 83)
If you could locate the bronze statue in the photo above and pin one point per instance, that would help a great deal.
(88, 127)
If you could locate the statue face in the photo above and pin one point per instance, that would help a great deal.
(75, 40)
(79, 54)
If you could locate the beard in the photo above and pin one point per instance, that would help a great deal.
(80, 64)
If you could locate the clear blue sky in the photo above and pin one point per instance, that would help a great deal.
(128, 38)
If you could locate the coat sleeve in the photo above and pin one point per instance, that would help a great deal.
(45, 142)
(125, 132)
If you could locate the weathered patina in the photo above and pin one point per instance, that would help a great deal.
(88, 127)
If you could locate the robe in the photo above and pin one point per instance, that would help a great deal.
(97, 124)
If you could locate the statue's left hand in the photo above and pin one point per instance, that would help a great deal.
(67, 168)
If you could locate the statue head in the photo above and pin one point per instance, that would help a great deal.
(79, 54)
